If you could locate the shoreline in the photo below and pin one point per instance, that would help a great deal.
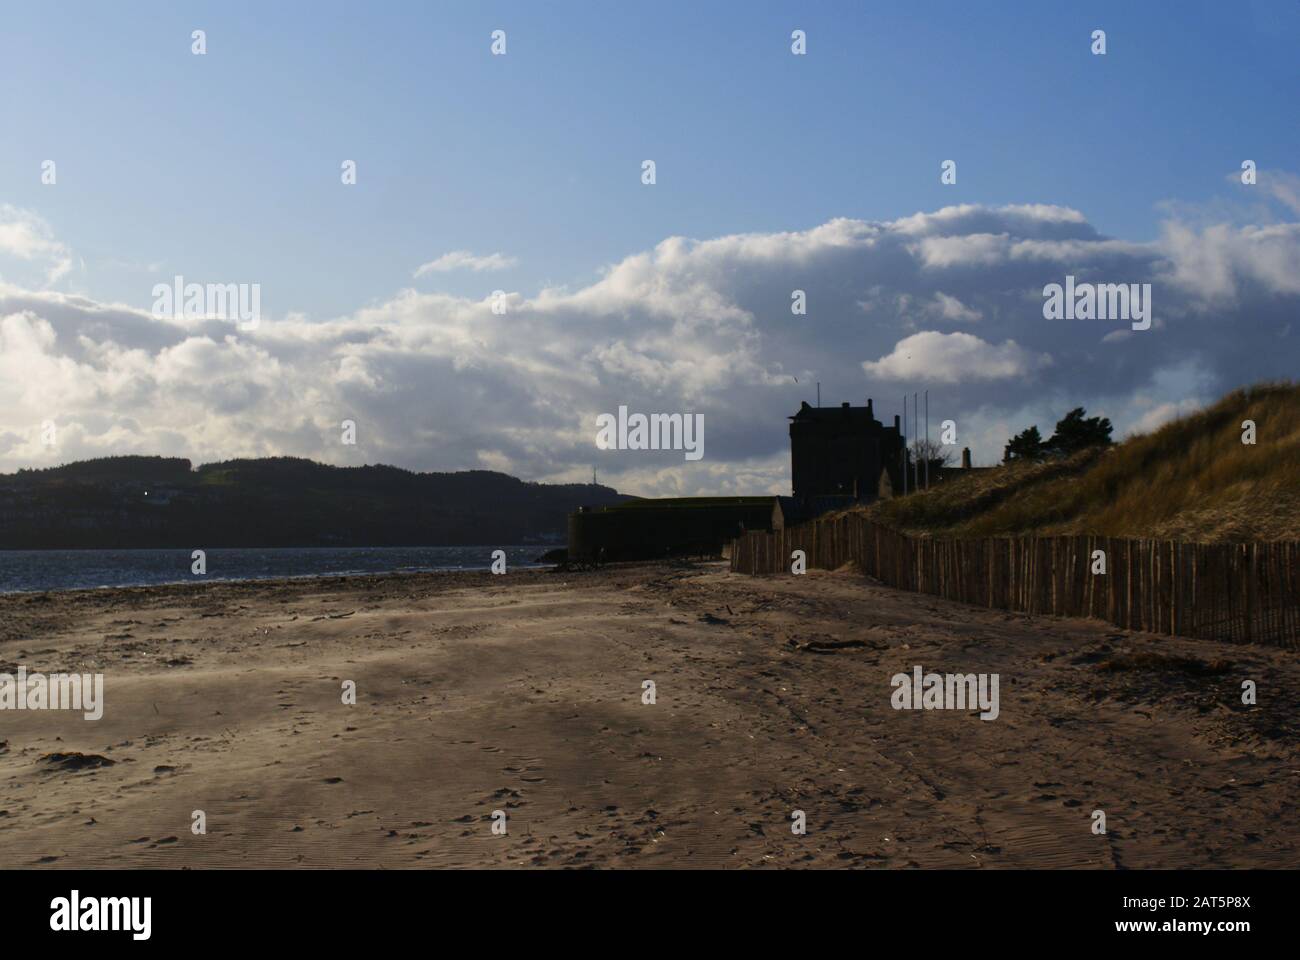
(199, 584)
(519, 558)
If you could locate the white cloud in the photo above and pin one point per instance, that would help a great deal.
(1163, 413)
(464, 260)
(933, 357)
(944, 307)
(978, 249)
(1278, 185)
(1215, 263)
(27, 237)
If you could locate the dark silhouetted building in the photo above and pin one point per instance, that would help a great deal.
(840, 455)
(844, 451)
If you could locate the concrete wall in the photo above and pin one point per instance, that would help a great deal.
(648, 530)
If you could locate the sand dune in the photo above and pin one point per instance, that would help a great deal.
(523, 693)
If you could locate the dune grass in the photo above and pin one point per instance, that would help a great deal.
(1192, 479)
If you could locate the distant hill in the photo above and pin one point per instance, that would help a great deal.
(1193, 479)
(283, 501)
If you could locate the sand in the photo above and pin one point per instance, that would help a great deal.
(523, 693)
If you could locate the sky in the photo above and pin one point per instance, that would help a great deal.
(523, 173)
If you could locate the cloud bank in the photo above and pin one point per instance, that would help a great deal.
(949, 301)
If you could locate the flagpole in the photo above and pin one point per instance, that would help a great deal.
(927, 439)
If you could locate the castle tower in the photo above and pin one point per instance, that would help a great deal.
(841, 451)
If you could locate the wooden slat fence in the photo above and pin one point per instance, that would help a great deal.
(1241, 593)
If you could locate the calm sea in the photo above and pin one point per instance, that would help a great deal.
(24, 570)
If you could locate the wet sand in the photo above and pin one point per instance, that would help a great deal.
(523, 693)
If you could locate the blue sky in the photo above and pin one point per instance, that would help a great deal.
(228, 164)
(226, 168)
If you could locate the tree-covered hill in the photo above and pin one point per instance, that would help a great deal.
(281, 501)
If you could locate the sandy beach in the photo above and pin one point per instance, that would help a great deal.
(524, 693)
